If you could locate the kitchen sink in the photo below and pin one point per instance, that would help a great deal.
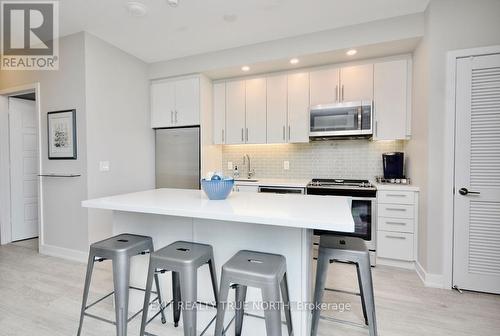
(246, 180)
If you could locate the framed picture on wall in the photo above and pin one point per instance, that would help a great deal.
(61, 127)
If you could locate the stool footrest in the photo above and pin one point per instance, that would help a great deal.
(335, 320)
(342, 291)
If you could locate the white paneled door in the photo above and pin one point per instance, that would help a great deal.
(476, 252)
(23, 168)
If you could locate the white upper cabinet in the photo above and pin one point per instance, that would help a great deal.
(392, 100)
(255, 114)
(187, 102)
(277, 108)
(219, 113)
(356, 83)
(324, 86)
(298, 107)
(175, 102)
(235, 112)
(162, 104)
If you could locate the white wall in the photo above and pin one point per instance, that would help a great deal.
(65, 222)
(449, 25)
(118, 127)
(393, 29)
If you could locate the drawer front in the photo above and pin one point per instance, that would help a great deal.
(396, 197)
(395, 245)
(396, 211)
(396, 224)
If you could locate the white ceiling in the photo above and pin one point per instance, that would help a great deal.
(197, 26)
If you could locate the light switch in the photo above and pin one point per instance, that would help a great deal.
(104, 166)
(229, 165)
(286, 165)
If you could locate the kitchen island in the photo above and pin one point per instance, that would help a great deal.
(272, 223)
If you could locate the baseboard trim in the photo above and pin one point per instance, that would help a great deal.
(429, 279)
(64, 253)
(396, 263)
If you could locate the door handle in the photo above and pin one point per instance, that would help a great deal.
(465, 191)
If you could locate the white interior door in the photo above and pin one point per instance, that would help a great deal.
(23, 168)
(476, 252)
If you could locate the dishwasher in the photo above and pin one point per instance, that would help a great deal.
(282, 190)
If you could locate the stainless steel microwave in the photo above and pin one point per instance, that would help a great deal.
(349, 119)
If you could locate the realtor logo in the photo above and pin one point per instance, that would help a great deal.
(29, 35)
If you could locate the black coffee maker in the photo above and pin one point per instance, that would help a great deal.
(393, 165)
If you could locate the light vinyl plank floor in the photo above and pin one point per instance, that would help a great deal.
(41, 296)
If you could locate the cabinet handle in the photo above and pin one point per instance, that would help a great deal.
(395, 209)
(223, 135)
(284, 132)
(171, 116)
(396, 195)
(242, 135)
(247, 135)
(395, 223)
(395, 237)
(176, 116)
(336, 93)
(289, 133)
(376, 128)
(342, 92)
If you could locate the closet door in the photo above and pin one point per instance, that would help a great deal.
(476, 259)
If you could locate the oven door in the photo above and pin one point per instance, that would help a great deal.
(345, 119)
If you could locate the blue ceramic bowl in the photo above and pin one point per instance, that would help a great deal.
(217, 189)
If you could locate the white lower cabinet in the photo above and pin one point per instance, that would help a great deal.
(397, 221)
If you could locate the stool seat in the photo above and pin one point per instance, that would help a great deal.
(251, 266)
(352, 244)
(183, 254)
(129, 244)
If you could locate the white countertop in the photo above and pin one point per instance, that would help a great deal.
(395, 187)
(297, 183)
(299, 211)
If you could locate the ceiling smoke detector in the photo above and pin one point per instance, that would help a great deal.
(173, 3)
(136, 9)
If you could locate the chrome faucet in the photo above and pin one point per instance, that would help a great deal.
(251, 172)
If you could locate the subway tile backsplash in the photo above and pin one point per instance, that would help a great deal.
(323, 159)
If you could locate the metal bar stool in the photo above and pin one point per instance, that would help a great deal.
(351, 250)
(119, 249)
(261, 270)
(183, 259)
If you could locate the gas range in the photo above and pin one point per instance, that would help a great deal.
(341, 187)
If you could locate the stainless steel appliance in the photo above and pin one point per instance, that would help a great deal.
(363, 197)
(178, 158)
(350, 119)
(281, 190)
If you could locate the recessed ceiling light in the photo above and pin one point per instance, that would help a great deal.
(294, 61)
(136, 9)
(245, 68)
(230, 18)
(173, 3)
(352, 52)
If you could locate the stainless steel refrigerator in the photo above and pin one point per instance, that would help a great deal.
(178, 158)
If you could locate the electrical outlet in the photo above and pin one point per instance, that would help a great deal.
(286, 165)
(104, 166)
(229, 165)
